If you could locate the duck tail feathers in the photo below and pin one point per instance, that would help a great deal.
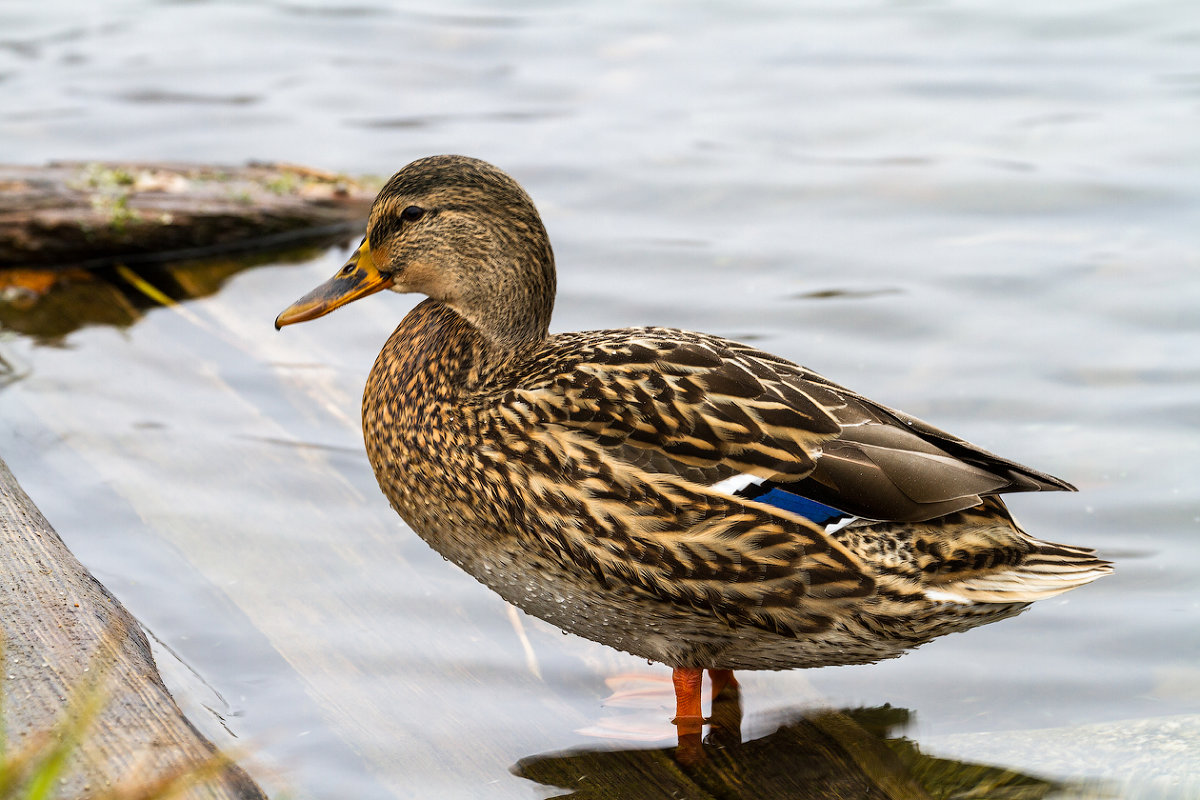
(1048, 570)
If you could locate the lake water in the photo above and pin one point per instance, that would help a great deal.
(987, 215)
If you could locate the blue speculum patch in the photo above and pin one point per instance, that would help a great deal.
(819, 513)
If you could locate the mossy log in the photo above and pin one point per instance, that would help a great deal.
(70, 648)
(74, 213)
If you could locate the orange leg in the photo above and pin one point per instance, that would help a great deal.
(720, 679)
(687, 682)
(688, 720)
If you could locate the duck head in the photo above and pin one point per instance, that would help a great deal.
(459, 231)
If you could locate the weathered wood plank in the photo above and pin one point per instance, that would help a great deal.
(74, 213)
(60, 626)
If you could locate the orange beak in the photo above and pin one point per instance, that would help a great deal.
(358, 278)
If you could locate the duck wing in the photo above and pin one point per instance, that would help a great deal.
(709, 409)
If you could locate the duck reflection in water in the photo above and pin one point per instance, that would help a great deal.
(686, 498)
(816, 755)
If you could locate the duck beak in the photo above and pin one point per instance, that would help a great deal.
(358, 278)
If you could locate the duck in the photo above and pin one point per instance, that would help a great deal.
(689, 499)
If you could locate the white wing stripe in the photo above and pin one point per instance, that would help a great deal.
(735, 483)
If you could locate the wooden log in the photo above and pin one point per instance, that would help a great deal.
(74, 213)
(61, 631)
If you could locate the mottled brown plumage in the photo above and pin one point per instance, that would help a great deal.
(592, 479)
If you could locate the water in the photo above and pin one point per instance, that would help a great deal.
(985, 215)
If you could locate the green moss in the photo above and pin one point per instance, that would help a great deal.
(116, 211)
(99, 177)
(110, 189)
(284, 183)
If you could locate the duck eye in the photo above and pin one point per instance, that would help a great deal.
(412, 213)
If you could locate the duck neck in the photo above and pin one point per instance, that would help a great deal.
(512, 312)
(440, 350)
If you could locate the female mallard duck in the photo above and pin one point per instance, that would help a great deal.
(680, 496)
